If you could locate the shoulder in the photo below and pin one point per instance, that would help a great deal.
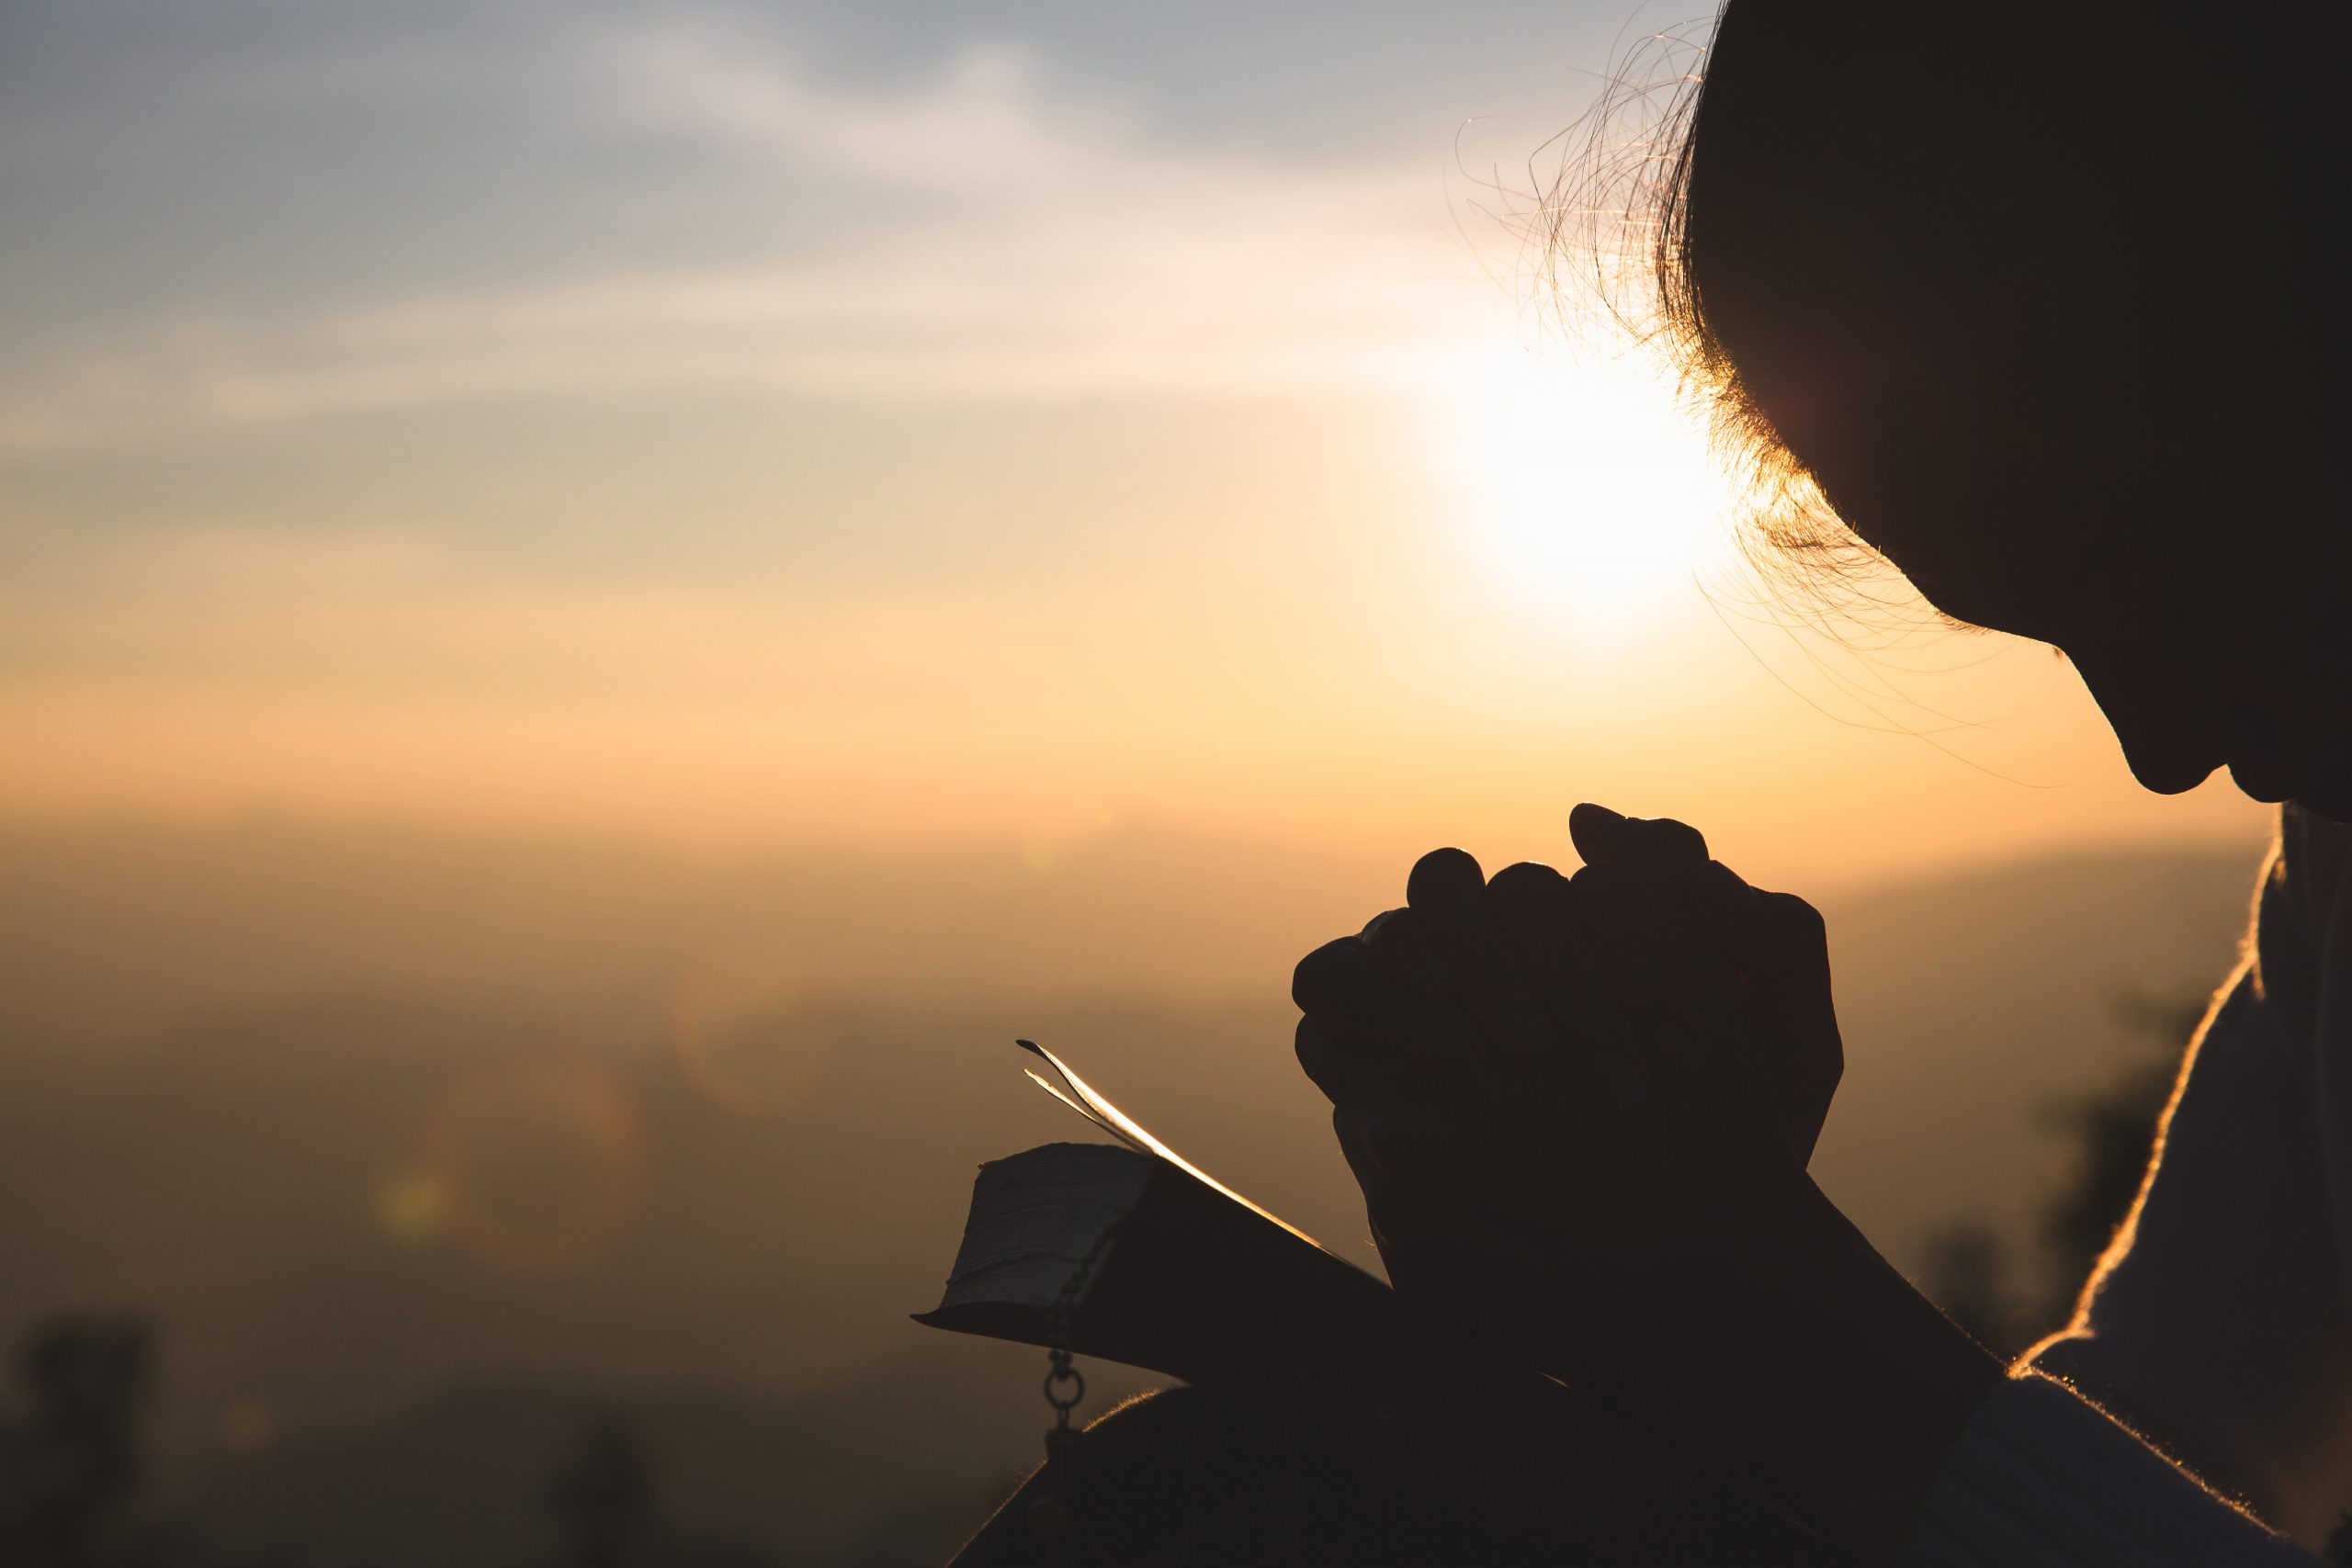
(2300, 928)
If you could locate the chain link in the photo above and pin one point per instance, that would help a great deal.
(1058, 1327)
(1049, 1517)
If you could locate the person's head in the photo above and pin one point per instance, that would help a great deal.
(2044, 298)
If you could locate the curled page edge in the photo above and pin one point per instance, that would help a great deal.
(1082, 1098)
(1040, 1079)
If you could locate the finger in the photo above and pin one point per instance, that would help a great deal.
(1400, 947)
(1597, 832)
(1701, 1002)
(1347, 1074)
(1448, 893)
(1398, 1225)
(1794, 997)
(1349, 1128)
(1600, 834)
(1423, 1157)
(1637, 939)
(1781, 948)
(1729, 913)
(1337, 986)
(1355, 1148)
(1534, 906)
(1392, 1206)
(1436, 1191)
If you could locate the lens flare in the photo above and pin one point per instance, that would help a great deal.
(411, 1206)
(746, 1036)
(540, 1167)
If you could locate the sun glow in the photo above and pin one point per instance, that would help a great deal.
(1588, 490)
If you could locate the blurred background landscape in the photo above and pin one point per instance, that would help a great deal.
(599, 604)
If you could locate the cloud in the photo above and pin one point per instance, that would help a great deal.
(993, 120)
(984, 234)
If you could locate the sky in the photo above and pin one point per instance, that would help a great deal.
(901, 424)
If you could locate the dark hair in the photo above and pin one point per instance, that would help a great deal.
(1995, 227)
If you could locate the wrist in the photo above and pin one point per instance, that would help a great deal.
(1838, 1386)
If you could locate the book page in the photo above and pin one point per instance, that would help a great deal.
(1082, 1098)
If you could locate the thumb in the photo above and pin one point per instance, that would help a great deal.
(1654, 842)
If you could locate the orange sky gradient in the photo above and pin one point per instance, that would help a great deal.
(1267, 504)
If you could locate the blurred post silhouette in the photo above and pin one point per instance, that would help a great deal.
(70, 1463)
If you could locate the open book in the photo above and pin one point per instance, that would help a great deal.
(1128, 1252)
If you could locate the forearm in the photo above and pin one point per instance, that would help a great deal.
(1837, 1387)
(1857, 1387)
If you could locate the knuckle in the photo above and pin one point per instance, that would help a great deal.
(1348, 1127)
(1728, 883)
(1312, 979)
(1525, 887)
(1445, 858)
(1798, 919)
(1386, 1144)
(1442, 873)
(1301, 984)
(1313, 1052)
(1604, 884)
(1676, 838)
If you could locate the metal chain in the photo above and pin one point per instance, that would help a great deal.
(1058, 1327)
(1050, 1516)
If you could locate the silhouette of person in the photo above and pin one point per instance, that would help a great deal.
(2044, 303)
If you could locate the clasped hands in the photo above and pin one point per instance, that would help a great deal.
(1570, 1099)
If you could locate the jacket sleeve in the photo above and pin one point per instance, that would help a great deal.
(2043, 1479)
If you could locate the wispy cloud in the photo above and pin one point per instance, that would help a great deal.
(984, 234)
(994, 121)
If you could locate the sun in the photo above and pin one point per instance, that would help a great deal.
(1587, 492)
